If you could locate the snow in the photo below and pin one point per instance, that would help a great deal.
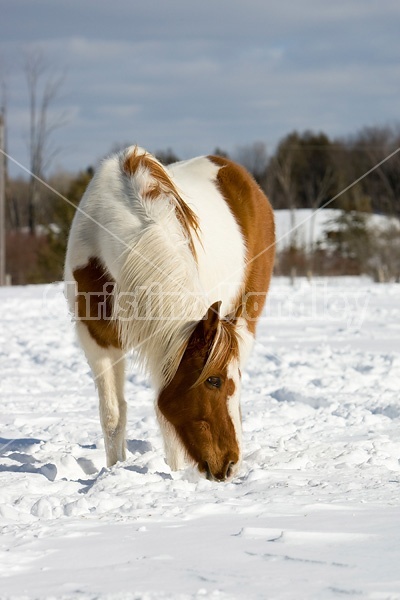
(309, 227)
(314, 513)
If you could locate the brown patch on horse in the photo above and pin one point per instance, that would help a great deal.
(162, 184)
(254, 215)
(94, 302)
(197, 409)
(230, 388)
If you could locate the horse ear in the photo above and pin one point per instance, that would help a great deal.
(206, 328)
(210, 321)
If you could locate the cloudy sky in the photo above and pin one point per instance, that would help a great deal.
(196, 75)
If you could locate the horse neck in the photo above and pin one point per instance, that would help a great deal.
(159, 299)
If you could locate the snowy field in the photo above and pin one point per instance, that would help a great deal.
(315, 512)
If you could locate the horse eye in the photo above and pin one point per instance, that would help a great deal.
(215, 381)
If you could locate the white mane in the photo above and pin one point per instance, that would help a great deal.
(158, 296)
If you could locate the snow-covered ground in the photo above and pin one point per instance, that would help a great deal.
(315, 512)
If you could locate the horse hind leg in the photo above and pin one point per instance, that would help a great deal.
(108, 368)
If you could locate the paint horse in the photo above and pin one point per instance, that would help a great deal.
(175, 264)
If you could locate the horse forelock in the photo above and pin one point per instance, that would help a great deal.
(224, 348)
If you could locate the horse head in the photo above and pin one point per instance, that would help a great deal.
(201, 401)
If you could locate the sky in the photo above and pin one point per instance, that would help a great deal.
(193, 76)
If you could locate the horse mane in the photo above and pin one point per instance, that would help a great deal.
(143, 165)
(158, 297)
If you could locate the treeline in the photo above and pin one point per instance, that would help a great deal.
(358, 174)
(309, 170)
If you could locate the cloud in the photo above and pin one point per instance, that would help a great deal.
(192, 76)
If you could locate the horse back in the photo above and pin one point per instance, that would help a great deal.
(246, 246)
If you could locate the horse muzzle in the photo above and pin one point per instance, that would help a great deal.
(224, 474)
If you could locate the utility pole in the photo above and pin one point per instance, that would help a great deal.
(2, 202)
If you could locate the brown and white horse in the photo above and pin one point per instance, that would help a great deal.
(175, 264)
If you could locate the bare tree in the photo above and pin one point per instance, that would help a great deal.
(2, 203)
(43, 89)
(380, 142)
(282, 170)
(3, 180)
(254, 158)
(316, 192)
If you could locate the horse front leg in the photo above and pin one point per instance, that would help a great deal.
(112, 407)
(108, 368)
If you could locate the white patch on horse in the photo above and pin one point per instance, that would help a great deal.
(176, 456)
(220, 249)
(234, 407)
(108, 370)
(245, 339)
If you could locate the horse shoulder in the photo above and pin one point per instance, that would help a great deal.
(254, 215)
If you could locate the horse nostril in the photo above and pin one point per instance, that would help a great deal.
(224, 474)
(229, 469)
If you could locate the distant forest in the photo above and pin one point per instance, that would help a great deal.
(358, 174)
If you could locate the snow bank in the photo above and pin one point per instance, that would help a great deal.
(309, 227)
